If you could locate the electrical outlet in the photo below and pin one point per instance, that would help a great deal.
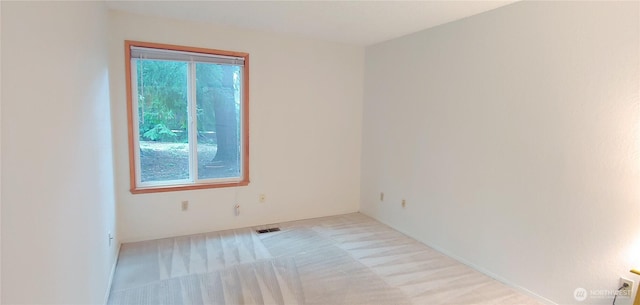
(625, 291)
(262, 198)
(110, 238)
(404, 203)
(381, 196)
(185, 205)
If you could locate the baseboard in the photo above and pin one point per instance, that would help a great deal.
(492, 275)
(113, 271)
(472, 265)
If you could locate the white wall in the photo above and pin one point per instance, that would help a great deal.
(514, 137)
(305, 128)
(0, 156)
(57, 174)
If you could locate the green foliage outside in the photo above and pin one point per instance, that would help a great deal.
(163, 94)
(162, 100)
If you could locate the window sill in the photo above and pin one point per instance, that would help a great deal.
(189, 187)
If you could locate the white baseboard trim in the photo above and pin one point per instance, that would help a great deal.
(113, 271)
(494, 276)
(472, 265)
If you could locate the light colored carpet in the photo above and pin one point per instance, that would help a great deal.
(347, 259)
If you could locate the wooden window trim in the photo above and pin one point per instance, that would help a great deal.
(134, 188)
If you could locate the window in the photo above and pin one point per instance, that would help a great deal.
(187, 116)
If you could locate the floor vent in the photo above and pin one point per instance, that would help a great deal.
(268, 230)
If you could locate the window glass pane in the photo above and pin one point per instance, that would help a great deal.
(163, 120)
(218, 117)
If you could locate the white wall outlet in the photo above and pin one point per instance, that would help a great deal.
(262, 198)
(184, 205)
(381, 196)
(404, 203)
(109, 238)
(625, 291)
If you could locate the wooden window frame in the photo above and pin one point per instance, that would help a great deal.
(134, 187)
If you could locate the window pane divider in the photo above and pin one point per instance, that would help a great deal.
(193, 123)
